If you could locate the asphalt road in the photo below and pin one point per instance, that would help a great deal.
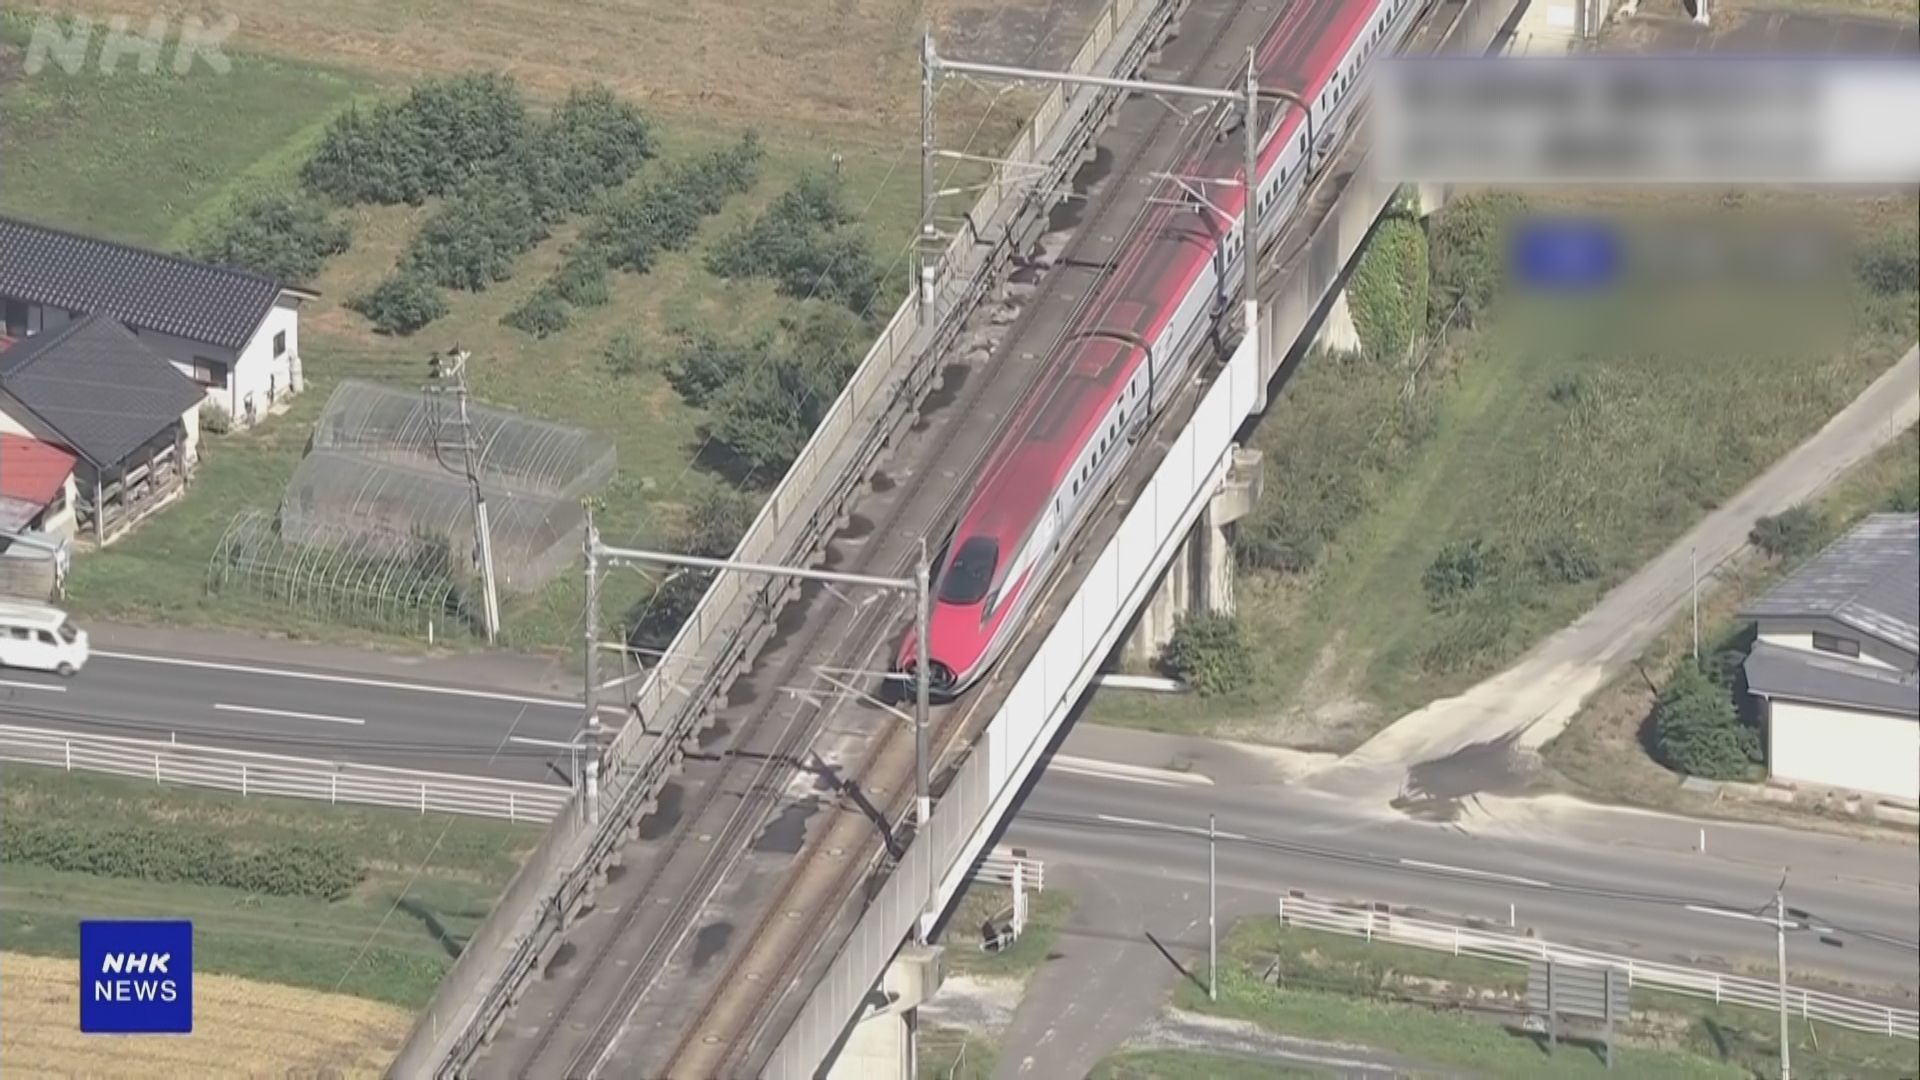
(274, 707)
(1618, 881)
(1567, 884)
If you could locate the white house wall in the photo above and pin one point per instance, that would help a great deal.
(1842, 748)
(182, 352)
(260, 374)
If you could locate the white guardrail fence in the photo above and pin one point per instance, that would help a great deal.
(996, 867)
(1357, 920)
(252, 773)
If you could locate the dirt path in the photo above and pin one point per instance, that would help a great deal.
(1524, 707)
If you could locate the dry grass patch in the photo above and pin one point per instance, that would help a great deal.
(845, 65)
(241, 1028)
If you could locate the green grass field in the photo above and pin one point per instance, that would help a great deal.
(148, 158)
(1415, 1002)
(1597, 431)
(430, 881)
(105, 162)
(1046, 913)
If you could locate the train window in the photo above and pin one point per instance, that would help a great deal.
(967, 579)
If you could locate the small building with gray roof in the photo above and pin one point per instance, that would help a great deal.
(1835, 664)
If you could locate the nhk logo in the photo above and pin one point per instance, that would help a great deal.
(136, 977)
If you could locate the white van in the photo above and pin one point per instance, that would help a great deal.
(42, 638)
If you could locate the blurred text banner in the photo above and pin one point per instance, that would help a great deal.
(1693, 119)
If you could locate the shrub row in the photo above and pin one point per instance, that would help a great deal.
(808, 243)
(630, 230)
(173, 854)
(507, 177)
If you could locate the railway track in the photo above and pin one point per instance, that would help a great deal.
(725, 1037)
(825, 869)
(622, 946)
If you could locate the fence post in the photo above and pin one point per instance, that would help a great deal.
(1456, 941)
(156, 768)
(243, 779)
(67, 745)
(423, 796)
(333, 788)
(510, 810)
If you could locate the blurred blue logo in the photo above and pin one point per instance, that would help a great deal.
(136, 977)
(1566, 255)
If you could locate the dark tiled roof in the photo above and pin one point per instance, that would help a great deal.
(1777, 671)
(1868, 580)
(97, 386)
(143, 288)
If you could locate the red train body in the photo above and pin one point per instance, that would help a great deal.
(1123, 357)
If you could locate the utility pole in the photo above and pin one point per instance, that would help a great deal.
(1780, 939)
(923, 619)
(591, 694)
(1250, 213)
(1213, 931)
(924, 241)
(1693, 560)
(454, 366)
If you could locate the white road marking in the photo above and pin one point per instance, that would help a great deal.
(1470, 872)
(1139, 774)
(1142, 823)
(34, 686)
(288, 715)
(350, 680)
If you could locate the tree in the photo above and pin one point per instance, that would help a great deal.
(543, 315)
(1466, 248)
(808, 242)
(402, 303)
(765, 410)
(1698, 731)
(284, 235)
(1791, 534)
(443, 134)
(1208, 653)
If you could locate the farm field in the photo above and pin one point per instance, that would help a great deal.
(274, 1029)
(1545, 453)
(704, 74)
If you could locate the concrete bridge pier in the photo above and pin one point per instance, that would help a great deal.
(1200, 577)
(883, 1043)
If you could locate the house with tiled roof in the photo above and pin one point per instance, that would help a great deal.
(234, 333)
(126, 420)
(1835, 664)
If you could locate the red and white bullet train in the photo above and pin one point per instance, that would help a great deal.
(1122, 359)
